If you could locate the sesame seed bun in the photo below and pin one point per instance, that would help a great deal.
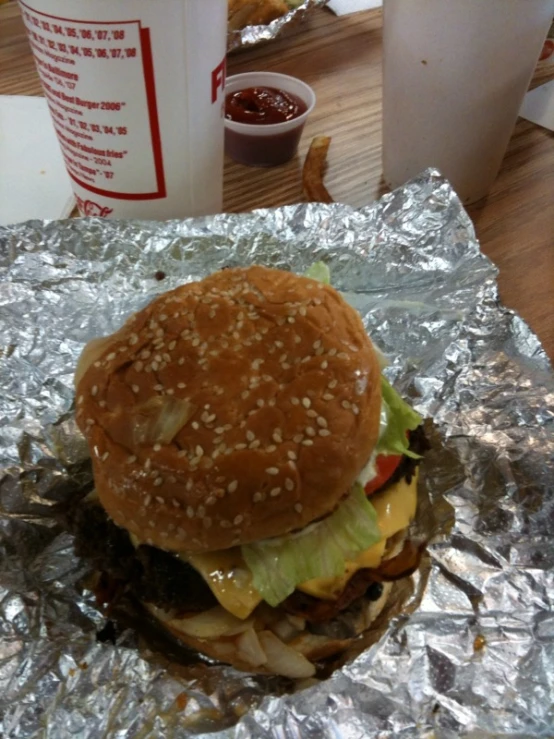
(229, 410)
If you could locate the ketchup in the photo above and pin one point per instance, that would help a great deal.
(263, 105)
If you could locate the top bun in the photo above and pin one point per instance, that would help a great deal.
(230, 410)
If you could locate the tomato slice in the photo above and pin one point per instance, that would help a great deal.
(385, 464)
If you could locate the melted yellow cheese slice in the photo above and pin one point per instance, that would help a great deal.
(231, 582)
(395, 509)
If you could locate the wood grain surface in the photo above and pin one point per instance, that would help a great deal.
(341, 59)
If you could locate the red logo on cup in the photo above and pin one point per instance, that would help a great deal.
(90, 208)
(218, 78)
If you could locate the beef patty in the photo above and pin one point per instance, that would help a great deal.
(152, 575)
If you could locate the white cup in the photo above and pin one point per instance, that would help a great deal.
(136, 93)
(455, 73)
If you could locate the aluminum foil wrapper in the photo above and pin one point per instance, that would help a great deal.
(255, 35)
(466, 645)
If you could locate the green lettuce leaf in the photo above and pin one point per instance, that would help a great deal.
(279, 565)
(320, 272)
(400, 418)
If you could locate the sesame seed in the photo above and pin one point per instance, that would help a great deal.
(158, 388)
(195, 341)
(181, 385)
(195, 425)
(219, 430)
(157, 447)
(322, 422)
(158, 481)
(272, 470)
(102, 403)
(275, 492)
(260, 403)
(254, 444)
(155, 366)
(250, 435)
(98, 364)
(148, 464)
(277, 436)
(133, 339)
(147, 500)
(310, 431)
(311, 413)
(317, 344)
(145, 354)
(94, 390)
(189, 484)
(199, 451)
(245, 394)
(190, 511)
(238, 520)
(345, 404)
(135, 388)
(302, 310)
(225, 524)
(152, 524)
(307, 442)
(105, 456)
(342, 355)
(181, 361)
(324, 432)
(159, 500)
(355, 409)
(306, 402)
(298, 507)
(239, 447)
(292, 455)
(111, 356)
(332, 352)
(332, 384)
(295, 401)
(258, 497)
(291, 319)
(132, 459)
(298, 438)
(324, 364)
(200, 511)
(297, 340)
(172, 344)
(289, 484)
(328, 396)
(175, 503)
(232, 486)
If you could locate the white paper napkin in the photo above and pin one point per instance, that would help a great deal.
(344, 7)
(33, 179)
(538, 106)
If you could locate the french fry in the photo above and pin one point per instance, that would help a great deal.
(314, 169)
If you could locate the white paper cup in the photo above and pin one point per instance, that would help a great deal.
(136, 92)
(455, 73)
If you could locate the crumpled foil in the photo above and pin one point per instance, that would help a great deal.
(255, 35)
(466, 646)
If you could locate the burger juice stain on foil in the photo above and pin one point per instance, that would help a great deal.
(465, 647)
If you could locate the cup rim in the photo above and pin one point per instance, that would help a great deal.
(239, 80)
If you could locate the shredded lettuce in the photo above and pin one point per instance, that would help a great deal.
(279, 565)
(401, 418)
(319, 271)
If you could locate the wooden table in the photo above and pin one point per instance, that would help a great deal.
(341, 59)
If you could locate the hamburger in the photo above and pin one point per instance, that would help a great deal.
(254, 472)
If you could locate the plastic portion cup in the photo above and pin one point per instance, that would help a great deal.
(266, 145)
(135, 89)
(455, 73)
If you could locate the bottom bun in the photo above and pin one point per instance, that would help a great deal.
(271, 641)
